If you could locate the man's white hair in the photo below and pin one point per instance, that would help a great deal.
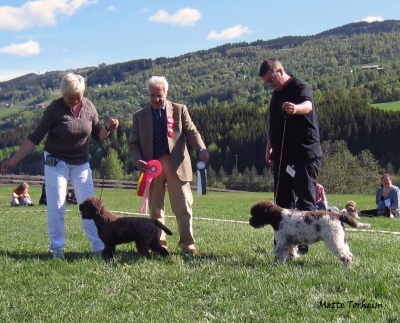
(157, 80)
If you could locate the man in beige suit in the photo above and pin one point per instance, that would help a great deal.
(160, 131)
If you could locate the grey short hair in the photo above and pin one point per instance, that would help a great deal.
(157, 80)
(72, 84)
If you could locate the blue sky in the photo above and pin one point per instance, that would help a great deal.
(38, 36)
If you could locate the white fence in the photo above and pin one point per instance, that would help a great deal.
(38, 180)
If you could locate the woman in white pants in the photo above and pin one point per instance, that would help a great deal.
(68, 122)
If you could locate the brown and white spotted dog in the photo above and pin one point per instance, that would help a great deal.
(293, 228)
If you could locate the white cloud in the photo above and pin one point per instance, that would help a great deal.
(372, 19)
(183, 17)
(229, 33)
(38, 13)
(112, 8)
(145, 9)
(29, 48)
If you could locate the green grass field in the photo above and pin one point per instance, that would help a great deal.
(26, 105)
(390, 106)
(234, 280)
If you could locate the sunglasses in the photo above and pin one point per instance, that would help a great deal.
(271, 79)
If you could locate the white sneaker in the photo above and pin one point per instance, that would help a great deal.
(58, 254)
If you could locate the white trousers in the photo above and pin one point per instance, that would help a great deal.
(56, 180)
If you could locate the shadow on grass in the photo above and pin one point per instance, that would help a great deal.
(259, 257)
(123, 256)
(310, 258)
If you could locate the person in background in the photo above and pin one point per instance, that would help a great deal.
(293, 149)
(320, 197)
(68, 122)
(20, 195)
(387, 200)
(160, 131)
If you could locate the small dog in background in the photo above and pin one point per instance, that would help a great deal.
(70, 198)
(350, 209)
(114, 230)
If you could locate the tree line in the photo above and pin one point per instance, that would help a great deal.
(360, 139)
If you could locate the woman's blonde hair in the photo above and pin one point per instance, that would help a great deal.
(72, 84)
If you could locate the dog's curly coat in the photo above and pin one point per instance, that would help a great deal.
(351, 209)
(293, 227)
(114, 230)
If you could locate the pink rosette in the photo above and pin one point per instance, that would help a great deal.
(154, 169)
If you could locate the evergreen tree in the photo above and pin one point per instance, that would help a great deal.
(111, 167)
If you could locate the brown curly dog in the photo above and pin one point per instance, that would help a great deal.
(351, 209)
(114, 230)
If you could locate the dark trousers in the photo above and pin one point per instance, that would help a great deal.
(376, 212)
(301, 186)
(297, 191)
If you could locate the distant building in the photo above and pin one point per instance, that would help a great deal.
(6, 104)
(39, 106)
(372, 67)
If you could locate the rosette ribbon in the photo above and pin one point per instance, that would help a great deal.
(201, 178)
(170, 125)
(141, 184)
(153, 171)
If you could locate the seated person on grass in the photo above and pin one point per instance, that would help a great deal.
(20, 196)
(387, 199)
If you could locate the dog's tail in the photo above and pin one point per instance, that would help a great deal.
(353, 222)
(163, 227)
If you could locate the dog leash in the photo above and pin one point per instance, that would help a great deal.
(280, 158)
(102, 186)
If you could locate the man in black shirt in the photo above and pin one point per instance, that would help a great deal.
(293, 149)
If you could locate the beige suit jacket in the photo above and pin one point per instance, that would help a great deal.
(184, 130)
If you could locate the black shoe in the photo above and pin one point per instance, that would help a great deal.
(302, 249)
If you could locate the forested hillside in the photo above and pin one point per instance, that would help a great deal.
(349, 68)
